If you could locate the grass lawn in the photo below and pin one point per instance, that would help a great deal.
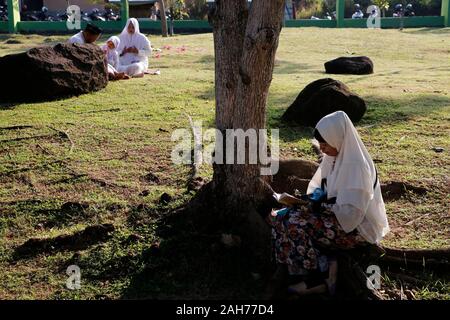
(121, 138)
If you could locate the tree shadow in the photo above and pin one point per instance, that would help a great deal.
(281, 66)
(206, 62)
(5, 37)
(428, 31)
(289, 67)
(191, 264)
(208, 94)
(380, 111)
(8, 105)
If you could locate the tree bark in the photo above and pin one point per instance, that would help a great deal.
(162, 11)
(245, 43)
(245, 47)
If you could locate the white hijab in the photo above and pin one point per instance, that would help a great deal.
(138, 40)
(353, 177)
(114, 40)
(112, 55)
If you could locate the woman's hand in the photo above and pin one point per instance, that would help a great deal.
(129, 50)
(133, 50)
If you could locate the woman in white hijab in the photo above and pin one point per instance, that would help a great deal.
(352, 212)
(134, 50)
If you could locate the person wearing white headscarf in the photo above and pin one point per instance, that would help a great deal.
(112, 58)
(351, 178)
(110, 49)
(134, 50)
(351, 212)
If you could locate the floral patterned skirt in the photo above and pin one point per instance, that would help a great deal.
(302, 239)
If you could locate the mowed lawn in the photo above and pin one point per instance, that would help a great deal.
(109, 153)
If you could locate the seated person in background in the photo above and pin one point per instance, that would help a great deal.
(352, 212)
(90, 34)
(112, 57)
(134, 50)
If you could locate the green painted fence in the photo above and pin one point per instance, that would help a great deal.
(3, 26)
(148, 25)
(410, 22)
(322, 23)
(15, 25)
(61, 26)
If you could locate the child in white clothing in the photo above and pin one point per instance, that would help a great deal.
(113, 59)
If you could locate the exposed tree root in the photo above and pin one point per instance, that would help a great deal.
(419, 254)
(405, 278)
(435, 260)
(352, 277)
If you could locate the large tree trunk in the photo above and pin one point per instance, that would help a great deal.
(162, 10)
(245, 45)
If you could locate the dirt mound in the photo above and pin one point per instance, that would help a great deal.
(48, 73)
(394, 190)
(350, 65)
(293, 174)
(322, 97)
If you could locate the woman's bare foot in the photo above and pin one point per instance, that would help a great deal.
(122, 76)
(119, 75)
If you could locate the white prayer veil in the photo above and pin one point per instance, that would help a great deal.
(135, 25)
(353, 180)
(130, 40)
(114, 40)
(137, 40)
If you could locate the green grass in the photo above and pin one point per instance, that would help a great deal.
(129, 136)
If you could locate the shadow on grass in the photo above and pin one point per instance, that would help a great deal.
(281, 66)
(206, 62)
(428, 31)
(191, 265)
(380, 111)
(386, 111)
(181, 264)
(289, 67)
(8, 105)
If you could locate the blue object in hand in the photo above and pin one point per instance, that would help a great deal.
(317, 195)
